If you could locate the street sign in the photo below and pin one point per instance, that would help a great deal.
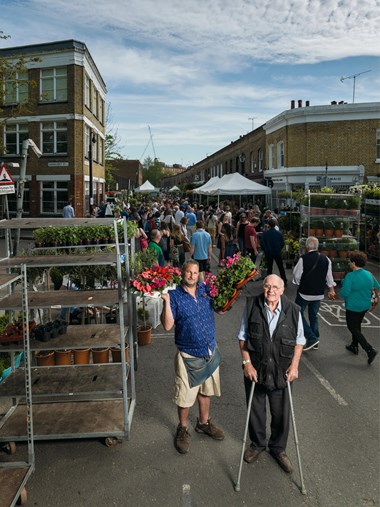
(7, 185)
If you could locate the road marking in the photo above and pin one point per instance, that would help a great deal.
(330, 312)
(326, 384)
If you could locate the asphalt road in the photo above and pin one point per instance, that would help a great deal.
(336, 403)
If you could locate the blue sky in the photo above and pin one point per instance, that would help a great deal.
(196, 70)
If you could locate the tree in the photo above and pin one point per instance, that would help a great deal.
(153, 170)
(15, 87)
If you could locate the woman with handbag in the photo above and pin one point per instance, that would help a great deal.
(357, 287)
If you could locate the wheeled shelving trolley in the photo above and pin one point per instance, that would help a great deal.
(75, 401)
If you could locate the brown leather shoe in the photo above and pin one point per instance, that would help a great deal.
(284, 462)
(209, 429)
(251, 454)
(182, 440)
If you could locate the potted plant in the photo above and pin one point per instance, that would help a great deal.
(45, 358)
(223, 291)
(240, 269)
(329, 228)
(338, 228)
(144, 330)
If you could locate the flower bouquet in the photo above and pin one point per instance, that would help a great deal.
(225, 287)
(155, 280)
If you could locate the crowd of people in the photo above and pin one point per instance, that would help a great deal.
(274, 331)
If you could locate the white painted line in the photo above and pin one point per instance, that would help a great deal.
(326, 384)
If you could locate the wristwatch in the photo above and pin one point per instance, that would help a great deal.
(246, 361)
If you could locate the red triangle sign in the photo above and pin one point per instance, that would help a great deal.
(5, 177)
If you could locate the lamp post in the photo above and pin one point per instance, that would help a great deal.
(92, 141)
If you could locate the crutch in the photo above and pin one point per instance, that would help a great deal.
(303, 489)
(237, 485)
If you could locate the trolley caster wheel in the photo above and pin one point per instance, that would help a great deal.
(10, 447)
(110, 441)
(23, 498)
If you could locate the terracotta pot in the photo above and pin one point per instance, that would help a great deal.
(343, 254)
(100, 355)
(329, 233)
(144, 335)
(333, 253)
(319, 232)
(116, 354)
(231, 301)
(45, 359)
(63, 357)
(338, 233)
(81, 356)
(311, 232)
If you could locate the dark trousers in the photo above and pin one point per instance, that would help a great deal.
(354, 321)
(280, 413)
(280, 265)
(311, 329)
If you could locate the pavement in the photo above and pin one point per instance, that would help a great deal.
(336, 404)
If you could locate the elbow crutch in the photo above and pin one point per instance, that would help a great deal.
(303, 489)
(237, 485)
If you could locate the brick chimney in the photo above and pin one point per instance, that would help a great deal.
(292, 104)
(307, 103)
(299, 103)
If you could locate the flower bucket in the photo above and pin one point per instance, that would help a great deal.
(144, 335)
(45, 359)
(100, 355)
(63, 357)
(81, 356)
(116, 354)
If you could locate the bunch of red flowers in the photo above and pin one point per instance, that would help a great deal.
(156, 279)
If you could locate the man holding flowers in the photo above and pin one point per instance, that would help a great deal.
(189, 308)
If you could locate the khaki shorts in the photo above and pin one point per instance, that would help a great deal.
(184, 395)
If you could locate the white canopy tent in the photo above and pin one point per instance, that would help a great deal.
(147, 188)
(233, 184)
(174, 189)
(204, 189)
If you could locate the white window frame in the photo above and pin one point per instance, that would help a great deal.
(18, 130)
(270, 156)
(57, 126)
(87, 134)
(87, 99)
(19, 86)
(94, 100)
(58, 186)
(56, 75)
(101, 102)
(280, 154)
(260, 159)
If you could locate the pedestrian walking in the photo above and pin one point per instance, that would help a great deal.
(356, 291)
(197, 359)
(201, 248)
(272, 242)
(68, 211)
(271, 340)
(312, 274)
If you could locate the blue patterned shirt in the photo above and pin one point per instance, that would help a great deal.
(194, 321)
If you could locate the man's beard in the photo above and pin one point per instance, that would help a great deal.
(189, 284)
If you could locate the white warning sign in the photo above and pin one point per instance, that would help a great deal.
(6, 181)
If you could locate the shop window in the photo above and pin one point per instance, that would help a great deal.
(53, 84)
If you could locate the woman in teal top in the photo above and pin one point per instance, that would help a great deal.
(356, 291)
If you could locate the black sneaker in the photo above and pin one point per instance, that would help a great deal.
(310, 345)
(353, 348)
(371, 355)
(182, 440)
(316, 346)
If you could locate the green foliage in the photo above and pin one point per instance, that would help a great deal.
(153, 170)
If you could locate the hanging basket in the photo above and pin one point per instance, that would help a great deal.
(231, 301)
(247, 279)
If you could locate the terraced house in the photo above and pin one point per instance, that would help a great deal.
(66, 120)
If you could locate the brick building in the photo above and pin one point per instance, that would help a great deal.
(293, 149)
(126, 173)
(65, 119)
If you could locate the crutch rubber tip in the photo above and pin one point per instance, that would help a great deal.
(303, 491)
(237, 487)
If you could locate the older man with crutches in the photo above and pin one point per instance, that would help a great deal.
(271, 341)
